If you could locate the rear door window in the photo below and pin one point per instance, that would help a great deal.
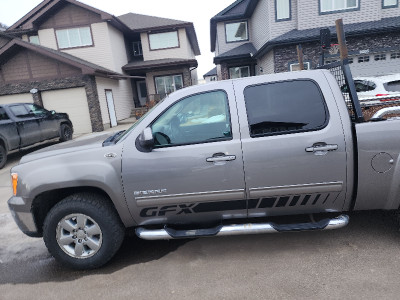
(285, 107)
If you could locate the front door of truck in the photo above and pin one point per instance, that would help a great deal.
(195, 171)
(294, 147)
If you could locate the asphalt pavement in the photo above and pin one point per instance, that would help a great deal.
(360, 261)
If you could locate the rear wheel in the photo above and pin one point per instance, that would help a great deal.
(3, 156)
(65, 132)
(83, 231)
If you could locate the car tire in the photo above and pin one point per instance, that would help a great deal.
(83, 231)
(65, 133)
(3, 156)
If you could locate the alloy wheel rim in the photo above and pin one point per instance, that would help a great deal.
(79, 236)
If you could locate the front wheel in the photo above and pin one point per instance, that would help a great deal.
(83, 231)
(3, 156)
(65, 133)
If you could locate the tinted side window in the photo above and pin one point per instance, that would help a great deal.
(393, 86)
(196, 119)
(285, 107)
(3, 115)
(35, 109)
(19, 111)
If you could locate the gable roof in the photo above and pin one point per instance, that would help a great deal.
(311, 35)
(85, 66)
(212, 72)
(240, 9)
(47, 7)
(141, 23)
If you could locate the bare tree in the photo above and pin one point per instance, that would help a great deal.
(3, 26)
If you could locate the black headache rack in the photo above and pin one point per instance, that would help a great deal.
(342, 73)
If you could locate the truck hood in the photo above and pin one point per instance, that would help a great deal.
(91, 141)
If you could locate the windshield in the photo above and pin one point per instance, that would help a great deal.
(126, 133)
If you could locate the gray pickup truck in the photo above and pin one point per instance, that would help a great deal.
(25, 124)
(271, 153)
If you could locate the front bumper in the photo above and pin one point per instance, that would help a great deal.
(22, 215)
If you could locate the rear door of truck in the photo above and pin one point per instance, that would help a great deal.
(293, 143)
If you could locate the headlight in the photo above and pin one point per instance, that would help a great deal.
(14, 182)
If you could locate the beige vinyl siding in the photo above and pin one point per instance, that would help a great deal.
(260, 31)
(391, 12)
(309, 17)
(267, 63)
(118, 49)
(18, 98)
(74, 103)
(184, 51)
(122, 94)
(47, 38)
(101, 53)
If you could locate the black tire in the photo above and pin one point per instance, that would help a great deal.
(64, 238)
(3, 156)
(65, 133)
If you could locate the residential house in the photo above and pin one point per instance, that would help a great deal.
(211, 75)
(74, 58)
(252, 37)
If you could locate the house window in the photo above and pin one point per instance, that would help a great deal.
(380, 57)
(335, 5)
(239, 72)
(137, 48)
(390, 3)
(362, 59)
(236, 32)
(163, 40)
(282, 10)
(74, 37)
(395, 55)
(296, 66)
(34, 39)
(331, 61)
(168, 84)
(350, 59)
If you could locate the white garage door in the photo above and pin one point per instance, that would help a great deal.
(74, 103)
(19, 98)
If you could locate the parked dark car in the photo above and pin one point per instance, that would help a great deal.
(25, 124)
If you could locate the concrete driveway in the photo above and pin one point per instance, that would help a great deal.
(359, 261)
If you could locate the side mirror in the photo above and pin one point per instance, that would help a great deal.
(53, 112)
(146, 139)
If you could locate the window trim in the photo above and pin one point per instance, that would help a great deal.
(284, 19)
(168, 75)
(166, 31)
(238, 21)
(229, 70)
(196, 143)
(74, 27)
(327, 115)
(291, 63)
(338, 10)
(390, 6)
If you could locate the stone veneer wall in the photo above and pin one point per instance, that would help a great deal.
(288, 54)
(86, 81)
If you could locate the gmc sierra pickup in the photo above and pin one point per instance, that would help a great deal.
(269, 153)
(25, 124)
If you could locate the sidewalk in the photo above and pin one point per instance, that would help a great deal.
(122, 125)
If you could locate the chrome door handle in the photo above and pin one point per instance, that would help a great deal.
(317, 148)
(221, 158)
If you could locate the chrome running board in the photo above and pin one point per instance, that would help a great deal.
(238, 229)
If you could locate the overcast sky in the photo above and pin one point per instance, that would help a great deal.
(198, 12)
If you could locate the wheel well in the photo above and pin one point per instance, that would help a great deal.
(44, 202)
(2, 143)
